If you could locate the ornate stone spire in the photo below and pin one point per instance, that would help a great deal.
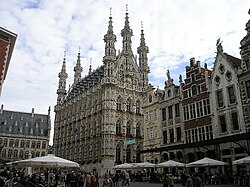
(61, 91)
(90, 67)
(78, 69)
(110, 39)
(142, 50)
(246, 40)
(126, 33)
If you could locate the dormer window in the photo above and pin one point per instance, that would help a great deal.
(31, 131)
(21, 129)
(26, 124)
(16, 123)
(10, 128)
(41, 119)
(221, 69)
(41, 131)
(21, 117)
(11, 117)
(36, 125)
(150, 98)
(169, 93)
(228, 75)
(217, 80)
(5, 122)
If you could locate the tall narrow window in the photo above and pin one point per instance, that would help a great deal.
(119, 104)
(178, 133)
(223, 124)
(194, 90)
(128, 155)
(118, 154)
(165, 137)
(128, 128)
(170, 112)
(232, 98)
(220, 99)
(177, 110)
(248, 89)
(138, 130)
(171, 135)
(118, 127)
(235, 120)
(138, 107)
(163, 114)
(129, 105)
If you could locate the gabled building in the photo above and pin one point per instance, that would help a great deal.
(23, 134)
(152, 127)
(244, 75)
(7, 43)
(171, 121)
(196, 108)
(228, 119)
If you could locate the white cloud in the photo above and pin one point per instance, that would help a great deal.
(175, 31)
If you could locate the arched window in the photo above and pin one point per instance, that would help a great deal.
(10, 152)
(138, 157)
(38, 145)
(37, 154)
(129, 107)
(128, 129)
(27, 144)
(119, 103)
(118, 127)
(138, 107)
(15, 153)
(22, 143)
(33, 145)
(16, 143)
(11, 143)
(128, 154)
(4, 153)
(118, 154)
(44, 145)
(21, 154)
(138, 130)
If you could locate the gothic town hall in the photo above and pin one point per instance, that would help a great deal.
(102, 110)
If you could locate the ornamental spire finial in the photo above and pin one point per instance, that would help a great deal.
(110, 11)
(141, 25)
(127, 8)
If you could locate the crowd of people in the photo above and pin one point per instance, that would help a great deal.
(78, 178)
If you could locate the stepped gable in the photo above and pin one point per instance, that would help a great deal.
(21, 123)
(86, 83)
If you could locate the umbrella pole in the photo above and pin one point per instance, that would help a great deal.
(29, 169)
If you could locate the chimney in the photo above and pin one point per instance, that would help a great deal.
(1, 111)
(32, 113)
(192, 61)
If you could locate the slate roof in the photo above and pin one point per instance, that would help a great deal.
(86, 83)
(21, 123)
(235, 62)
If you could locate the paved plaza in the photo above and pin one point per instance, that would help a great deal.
(143, 184)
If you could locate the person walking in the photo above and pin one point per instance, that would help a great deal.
(171, 180)
(127, 178)
(190, 182)
(108, 181)
(197, 181)
(165, 180)
(88, 179)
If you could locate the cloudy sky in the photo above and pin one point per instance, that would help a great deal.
(175, 31)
